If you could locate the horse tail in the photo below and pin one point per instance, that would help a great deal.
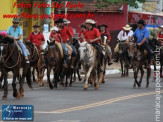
(28, 78)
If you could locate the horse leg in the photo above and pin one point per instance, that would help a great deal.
(15, 92)
(79, 77)
(70, 84)
(33, 74)
(135, 78)
(121, 68)
(48, 76)
(142, 74)
(5, 86)
(41, 77)
(148, 76)
(87, 77)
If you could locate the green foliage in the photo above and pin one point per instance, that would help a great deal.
(132, 3)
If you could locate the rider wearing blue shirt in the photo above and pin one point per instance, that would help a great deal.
(15, 32)
(142, 35)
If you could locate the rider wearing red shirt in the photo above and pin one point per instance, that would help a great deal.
(54, 36)
(36, 37)
(103, 31)
(93, 36)
(160, 35)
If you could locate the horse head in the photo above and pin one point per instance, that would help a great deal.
(104, 38)
(85, 51)
(51, 52)
(122, 47)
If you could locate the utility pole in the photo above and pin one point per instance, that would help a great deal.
(47, 11)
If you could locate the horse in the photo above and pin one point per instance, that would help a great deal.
(55, 62)
(89, 61)
(34, 57)
(104, 38)
(123, 56)
(77, 64)
(11, 59)
(139, 58)
(41, 66)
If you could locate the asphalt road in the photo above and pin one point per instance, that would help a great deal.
(115, 101)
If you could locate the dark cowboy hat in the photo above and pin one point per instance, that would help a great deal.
(103, 25)
(83, 25)
(36, 26)
(60, 20)
(141, 22)
(15, 20)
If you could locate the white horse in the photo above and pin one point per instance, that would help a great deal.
(89, 62)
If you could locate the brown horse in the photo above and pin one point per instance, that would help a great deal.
(12, 60)
(124, 61)
(55, 62)
(34, 56)
(41, 66)
(139, 58)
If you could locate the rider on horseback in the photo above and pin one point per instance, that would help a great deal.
(66, 24)
(93, 36)
(103, 30)
(160, 35)
(122, 36)
(67, 37)
(37, 37)
(15, 32)
(82, 33)
(142, 35)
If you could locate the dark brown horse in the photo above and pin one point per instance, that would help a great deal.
(34, 56)
(139, 59)
(123, 56)
(55, 62)
(12, 60)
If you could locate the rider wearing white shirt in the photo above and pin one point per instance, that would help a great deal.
(122, 36)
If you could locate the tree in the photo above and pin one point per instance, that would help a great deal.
(132, 3)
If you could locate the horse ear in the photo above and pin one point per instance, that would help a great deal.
(79, 42)
(48, 42)
(53, 42)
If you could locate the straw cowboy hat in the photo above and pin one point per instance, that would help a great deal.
(127, 27)
(66, 21)
(161, 27)
(89, 21)
(15, 20)
(55, 29)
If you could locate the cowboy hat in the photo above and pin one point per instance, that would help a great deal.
(141, 22)
(103, 25)
(60, 20)
(161, 27)
(66, 21)
(15, 20)
(54, 28)
(89, 21)
(82, 25)
(127, 27)
(36, 26)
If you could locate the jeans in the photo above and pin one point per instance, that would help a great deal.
(65, 49)
(23, 48)
(147, 47)
(73, 50)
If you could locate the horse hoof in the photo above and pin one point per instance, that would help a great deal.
(4, 97)
(70, 84)
(80, 79)
(103, 81)
(134, 86)
(18, 95)
(96, 88)
(147, 86)
(85, 88)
